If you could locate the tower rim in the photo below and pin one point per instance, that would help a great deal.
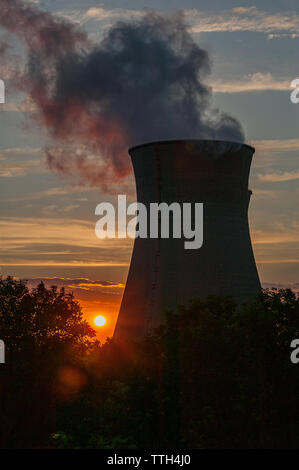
(177, 141)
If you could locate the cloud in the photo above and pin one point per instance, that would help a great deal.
(106, 17)
(252, 83)
(8, 71)
(279, 233)
(77, 283)
(15, 169)
(243, 19)
(100, 14)
(86, 284)
(19, 152)
(50, 241)
(20, 161)
(230, 20)
(54, 209)
(279, 177)
(24, 106)
(52, 192)
(276, 145)
(283, 36)
(71, 207)
(280, 260)
(274, 153)
(264, 193)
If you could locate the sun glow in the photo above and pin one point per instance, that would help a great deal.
(100, 320)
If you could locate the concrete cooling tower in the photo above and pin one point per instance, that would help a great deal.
(163, 274)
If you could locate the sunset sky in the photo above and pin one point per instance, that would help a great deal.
(47, 220)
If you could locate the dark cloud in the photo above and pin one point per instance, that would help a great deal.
(80, 282)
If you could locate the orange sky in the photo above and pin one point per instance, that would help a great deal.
(95, 297)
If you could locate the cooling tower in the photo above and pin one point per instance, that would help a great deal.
(163, 273)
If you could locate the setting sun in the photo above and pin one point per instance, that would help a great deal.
(100, 320)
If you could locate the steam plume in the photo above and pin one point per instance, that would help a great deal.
(143, 82)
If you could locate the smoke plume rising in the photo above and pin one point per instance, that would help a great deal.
(143, 82)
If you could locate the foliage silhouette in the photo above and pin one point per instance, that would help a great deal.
(43, 330)
(216, 375)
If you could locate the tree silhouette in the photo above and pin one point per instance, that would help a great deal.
(215, 375)
(42, 329)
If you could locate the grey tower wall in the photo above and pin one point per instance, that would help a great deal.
(163, 273)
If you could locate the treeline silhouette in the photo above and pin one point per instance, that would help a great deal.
(214, 376)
